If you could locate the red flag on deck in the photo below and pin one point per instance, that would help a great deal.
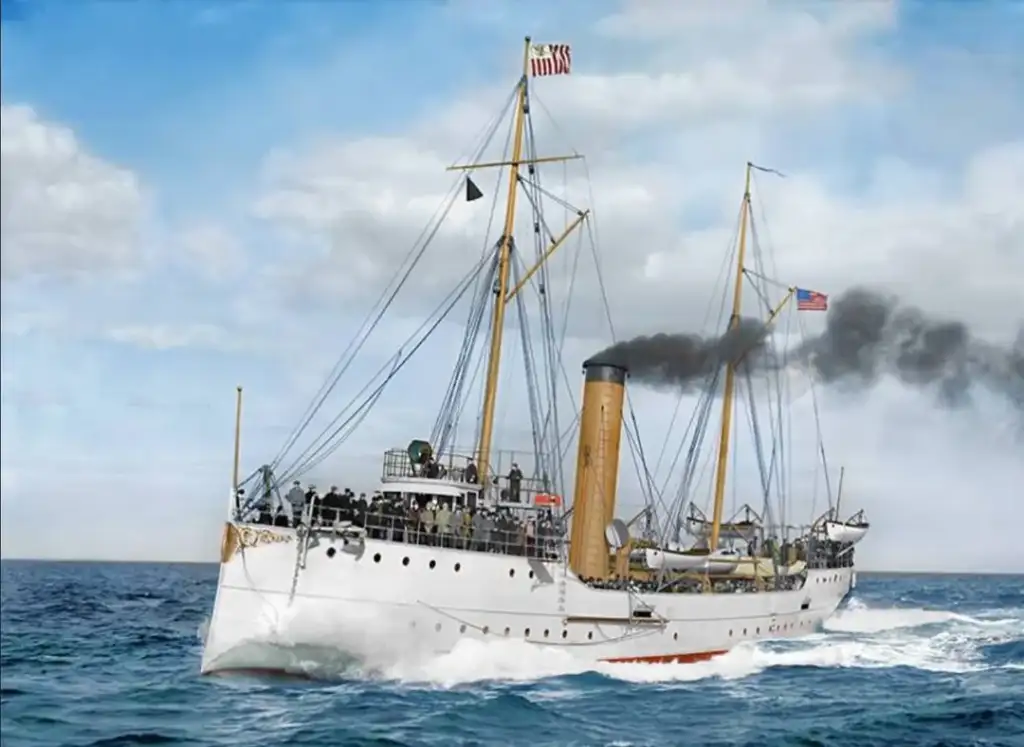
(550, 59)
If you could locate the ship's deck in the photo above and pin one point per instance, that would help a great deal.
(536, 535)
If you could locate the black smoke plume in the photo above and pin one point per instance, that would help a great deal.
(867, 335)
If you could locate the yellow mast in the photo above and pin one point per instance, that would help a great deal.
(498, 315)
(730, 372)
(238, 443)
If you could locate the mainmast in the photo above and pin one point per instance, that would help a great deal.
(504, 257)
(538, 59)
(730, 371)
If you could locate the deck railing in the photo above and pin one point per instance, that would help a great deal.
(452, 469)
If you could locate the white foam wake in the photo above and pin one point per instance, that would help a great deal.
(857, 636)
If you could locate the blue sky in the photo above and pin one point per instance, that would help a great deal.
(232, 124)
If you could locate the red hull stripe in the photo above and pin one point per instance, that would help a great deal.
(659, 659)
(667, 658)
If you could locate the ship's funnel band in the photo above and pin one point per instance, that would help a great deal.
(609, 373)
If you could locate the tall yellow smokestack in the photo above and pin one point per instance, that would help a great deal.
(597, 468)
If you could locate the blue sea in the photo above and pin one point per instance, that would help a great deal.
(107, 655)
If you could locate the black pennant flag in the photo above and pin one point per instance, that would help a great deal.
(472, 191)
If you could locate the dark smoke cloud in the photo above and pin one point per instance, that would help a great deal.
(681, 360)
(867, 335)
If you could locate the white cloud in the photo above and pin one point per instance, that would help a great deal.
(167, 337)
(709, 90)
(212, 251)
(668, 100)
(64, 211)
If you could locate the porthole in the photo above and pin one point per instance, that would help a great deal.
(565, 634)
(545, 634)
(405, 561)
(758, 631)
(331, 552)
(730, 634)
(675, 636)
(526, 633)
(437, 627)
(511, 572)
(744, 631)
(376, 558)
(531, 574)
(507, 631)
(433, 564)
(590, 635)
(458, 567)
(412, 623)
(462, 628)
(486, 630)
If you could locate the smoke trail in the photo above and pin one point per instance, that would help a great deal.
(681, 360)
(867, 335)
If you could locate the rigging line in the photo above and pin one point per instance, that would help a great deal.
(535, 99)
(789, 410)
(541, 426)
(755, 432)
(551, 355)
(335, 375)
(563, 334)
(703, 414)
(817, 424)
(764, 278)
(712, 378)
(552, 347)
(350, 425)
(634, 447)
(455, 295)
(764, 221)
(481, 359)
(722, 272)
(783, 478)
(475, 314)
(454, 402)
(560, 201)
(363, 335)
(529, 364)
(762, 294)
(646, 480)
(331, 448)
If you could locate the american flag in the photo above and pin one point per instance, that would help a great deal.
(550, 59)
(808, 300)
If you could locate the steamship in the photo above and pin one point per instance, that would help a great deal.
(478, 544)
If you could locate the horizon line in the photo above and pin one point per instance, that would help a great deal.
(122, 561)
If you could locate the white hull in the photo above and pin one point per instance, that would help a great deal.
(362, 602)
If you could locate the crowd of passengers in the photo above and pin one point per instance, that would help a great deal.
(692, 585)
(417, 519)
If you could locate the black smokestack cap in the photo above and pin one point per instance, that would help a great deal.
(606, 371)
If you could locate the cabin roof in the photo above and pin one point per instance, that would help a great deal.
(426, 485)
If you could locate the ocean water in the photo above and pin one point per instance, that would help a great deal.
(107, 655)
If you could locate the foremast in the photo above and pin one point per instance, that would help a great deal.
(506, 243)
